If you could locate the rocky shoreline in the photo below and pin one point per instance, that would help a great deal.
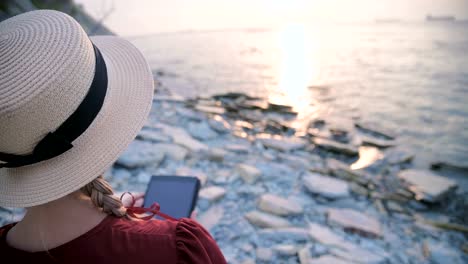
(275, 194)
(337, 192)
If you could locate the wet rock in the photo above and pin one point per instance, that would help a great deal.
(398, 156)
(181, 137)
(153, 136)
(243, 125)
(248, 173)
(201, 131)
(342, 170)
(445, 165)
(210, 109)
(326, 259)
(355, 221)
(219, 124)
(324, 235)
(441, 253)
(278, 205)
(336, 146)
(216, 154)
(374, 129)
(121, 175)
(265, 220)
(143, 177)
(264, 254)
(140, 154)
(428, 186)
(284, 234)
(376, 142)
(305, 255)
(212, 193)
(211, 218)
(367, 157)
(279, 107)
(237, 148)
(282, 143)
(233, 96)
(326, 186)
(320, 133)
(172, 151)
(358, 255)
(186, 171)
(189, 114)
(286, 250)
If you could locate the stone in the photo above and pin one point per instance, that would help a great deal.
(216, 154)
(367, 157)
(243, 125)
(286, 250)
(143, 177)
(264, 254)
(428, 186)
(172, 151)
(201, 131)
(181, 137)
(355, 221)
(210, 109)
(186, 171)
(248, 173)
(284, 144)
(219, 124)
(398, 156)
(296, 234)
(140, 154)
(376, 142)
(211, 217)
(326, 259)
(336, 146)
(324, 235)
(237, 148)
(326, 186)
(212, 193)
(358, 255)
(279, 206)
(304, 254)
(374, 129)
(441, 253)
(319, 133)
(265, 220)
(153, 136)
(342, 171)
(189, 114)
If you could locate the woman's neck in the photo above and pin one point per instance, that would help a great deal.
(55, 223)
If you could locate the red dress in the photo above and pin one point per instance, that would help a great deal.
(118, 240)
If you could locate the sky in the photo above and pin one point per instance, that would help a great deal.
(141, 17)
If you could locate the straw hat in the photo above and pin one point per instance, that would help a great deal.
(69, 105)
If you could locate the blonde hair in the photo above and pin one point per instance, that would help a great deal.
(102, 196)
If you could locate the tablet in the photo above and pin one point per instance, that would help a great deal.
(176, 195)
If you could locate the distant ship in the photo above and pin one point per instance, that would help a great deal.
(439, 18)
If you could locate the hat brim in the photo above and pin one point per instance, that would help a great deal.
(126, 106)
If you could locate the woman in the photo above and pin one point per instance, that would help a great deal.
(69, 106)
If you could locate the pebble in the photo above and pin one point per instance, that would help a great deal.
(286, 250)
(181, 137)
(264, 254)
(284, 144)
(326, 186)
(201, 131)
(327, 259)
(140, 154)
(220, 125)
(296, 234)
(172, 151)
(277, 205)
(324, 235)
(248, 173)
(153, 136)
(428, 186)
(211, 217)
(212, 193)
(336, 146)
(265, 220)
(355, 221)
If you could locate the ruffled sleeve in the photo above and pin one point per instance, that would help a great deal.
(195, 245)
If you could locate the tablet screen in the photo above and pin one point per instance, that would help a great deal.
(175, 194)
